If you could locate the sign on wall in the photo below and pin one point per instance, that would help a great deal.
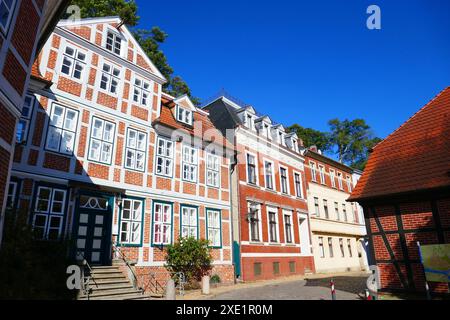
(436, 262)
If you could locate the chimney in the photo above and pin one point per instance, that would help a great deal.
(313, 148)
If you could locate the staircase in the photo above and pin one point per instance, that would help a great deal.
(110, 283)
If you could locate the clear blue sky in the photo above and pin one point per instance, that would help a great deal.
(309, 61)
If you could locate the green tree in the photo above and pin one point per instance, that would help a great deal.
(360, 164)
(311, 137)
(190, 256)
(149, 40)
(351, 140)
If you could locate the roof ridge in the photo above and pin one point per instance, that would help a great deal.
(413, 116)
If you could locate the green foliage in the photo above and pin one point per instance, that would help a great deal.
(215, 279)
(311, 137)
(190, 256)
(31, 269)
(149, 40)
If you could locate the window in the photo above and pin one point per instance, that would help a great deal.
(212, 170)
(288, 227)
(257, 268)
(251, 169)
(189, 222)
(114, 42)
(164, 157)
(102, 137)
(11, 197)
(322, 174)
(249, 121)
(162, 223)
(254, 223)
(184, 115)
(61, 130)
(273, 226)
(6, 13)
(340, 181)
(49, 213)
(265, 130)
(298, 185)
(325, 209)
(268, 168)
(330, 247)
(332, 178)
(321, 248)
(349, 184)
(190, 164)
(141, 92)
(135, 150)
(341, 246)
(349, 246)
(292, 266)
(313, 171)
(74, 62)
(284, 181)
(131, 221)
(281, 138)
(276, 268)
(110, 78)
(336, 211)
(213, 222)
(316, 207)
(344, 212)
(23, 125)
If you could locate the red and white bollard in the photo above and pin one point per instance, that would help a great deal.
(368, 296)
(333, 291)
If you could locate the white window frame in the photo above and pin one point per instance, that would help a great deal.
(321, 247)
(60, 129)
(288, 191)
(116, 36)
(301, 196)
(322, 174)
(330, 247)
(11, 196)
(48, 213)
(344, 212)
(270, 210)
(133, 151)
(190, 224)
(111, 78)
(23, 126)
(342, 247)
(167, 158)
(212, 171)
(189, 164)
(313, 168)
(141, 92)
(291, 216)
(215, 228)
(340, 182)
(131, 222)
(162, 223)
(11, 10)
(102, 141)
(327, 211)
(349, 184)
(259, 217)
(256, 168)
(75, 61)
(272, 176)
(349, 248)
(333, 178)
(185, 115)
(316, 206)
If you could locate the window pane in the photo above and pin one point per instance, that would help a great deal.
(98, 129)
(53, 138)
(106, 152)
(68, 141)
(71, 120)
(131, 142)
(57, 116)
(95, 150)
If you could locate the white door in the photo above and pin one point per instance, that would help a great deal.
(304, 234)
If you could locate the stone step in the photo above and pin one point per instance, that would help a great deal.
(126, 296)
(105, 267)
(104, 287)
(114, 292)
(109, 281)
(105, 271)
(116, 275)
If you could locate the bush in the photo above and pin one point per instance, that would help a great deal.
(215, 279)
(31, 269)
(190, 256)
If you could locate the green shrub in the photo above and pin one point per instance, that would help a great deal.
(190, 256)
(215, 279)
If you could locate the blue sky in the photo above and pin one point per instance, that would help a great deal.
(310, 61)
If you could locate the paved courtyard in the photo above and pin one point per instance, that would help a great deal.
(316, 287)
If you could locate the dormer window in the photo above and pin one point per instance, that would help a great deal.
(114, 42)
(266, 130)
(184, 115)
(281, 138)
(295, 145)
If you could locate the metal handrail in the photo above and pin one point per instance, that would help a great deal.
(124, 259)
(85, 283)
(157, 286)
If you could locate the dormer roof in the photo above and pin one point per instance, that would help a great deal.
(265, 119)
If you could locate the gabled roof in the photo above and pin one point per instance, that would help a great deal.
(264, 118)
(415, 157)
(292, 135)
(249, 109)
(70, 24)
(279, 127)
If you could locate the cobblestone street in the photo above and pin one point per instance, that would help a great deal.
(317, 287)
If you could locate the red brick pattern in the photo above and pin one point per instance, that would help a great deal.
(56, 162)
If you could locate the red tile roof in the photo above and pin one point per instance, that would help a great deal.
(415, 157)
(202, 128)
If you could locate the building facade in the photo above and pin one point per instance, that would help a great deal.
(336, 226)
(404, 191)
(23, 25)
(270, 214)
(112, 162)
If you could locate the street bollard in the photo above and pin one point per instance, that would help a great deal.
(368, 296)
(333, 292)
(170, 290)
(205, 285)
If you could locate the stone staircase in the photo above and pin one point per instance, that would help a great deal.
(110, 283)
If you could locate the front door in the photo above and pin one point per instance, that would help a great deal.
(92, 232)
